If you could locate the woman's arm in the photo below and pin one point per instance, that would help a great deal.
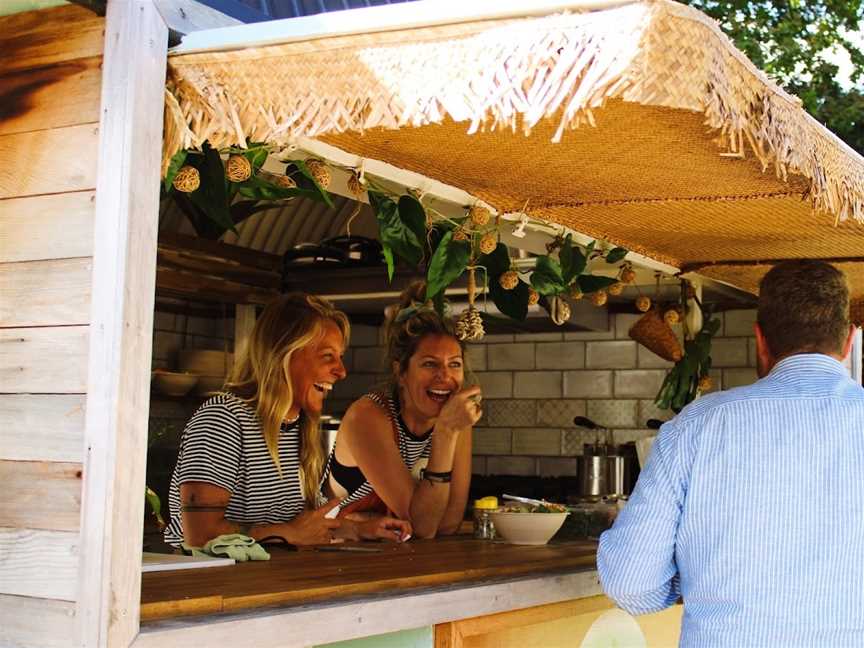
(368, 435)
(203, 509)
(455, 511)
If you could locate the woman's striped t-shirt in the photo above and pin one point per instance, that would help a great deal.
(223, 445)
(413, 450)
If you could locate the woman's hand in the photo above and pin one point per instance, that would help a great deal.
(311, 527)
(383, 528)
(461, 411)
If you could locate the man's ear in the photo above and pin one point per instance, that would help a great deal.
(763, 352)
(850, 339)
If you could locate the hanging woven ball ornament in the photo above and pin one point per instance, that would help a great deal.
(285, 182)
(509, 280)
(615, 289)
(187, 179)
(479, 216)
(671, 317)
(238, 168)
(488, 244)
(575, 293)
(628, 275)
(643, 303)
(533, 297)
(469, 325)
(599, 298)
(704, 383)
(355, 186)
(460, 234)
(559, 310)
(319, 171)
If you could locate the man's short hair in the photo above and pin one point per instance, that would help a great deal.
(804, 308)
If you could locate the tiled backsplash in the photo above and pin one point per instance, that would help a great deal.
(533, 385)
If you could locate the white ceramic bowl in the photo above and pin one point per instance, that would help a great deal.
(174, 384)
(527, 528)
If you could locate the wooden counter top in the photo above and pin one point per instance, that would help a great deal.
(294, 577)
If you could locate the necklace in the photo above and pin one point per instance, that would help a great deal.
(291, 421)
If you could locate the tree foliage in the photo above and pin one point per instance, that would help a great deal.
(792, 41)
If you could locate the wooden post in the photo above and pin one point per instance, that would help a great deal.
(121, 323)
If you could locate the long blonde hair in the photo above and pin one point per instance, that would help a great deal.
(259, 377)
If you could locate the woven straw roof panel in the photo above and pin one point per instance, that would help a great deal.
(640, 124)
(509, 75)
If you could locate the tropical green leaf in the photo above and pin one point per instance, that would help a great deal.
(616, 254)
(438, 303)
(258, 188)
(177, 161)
(573, 262)
(393, 232)
(593, 283)
(447, 264)
(321, 194)
(155, 504)
(411, 213)
(212, 196)
(496, 262)
(257, 155)
(513, 303)
(546, 278)
(388, 258)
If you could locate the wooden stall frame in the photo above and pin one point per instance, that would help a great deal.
(121, 324)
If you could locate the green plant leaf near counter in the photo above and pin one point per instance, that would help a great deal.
(155, 504)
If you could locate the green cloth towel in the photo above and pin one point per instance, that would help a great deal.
(232, 545)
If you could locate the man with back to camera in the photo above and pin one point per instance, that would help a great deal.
(750, 505)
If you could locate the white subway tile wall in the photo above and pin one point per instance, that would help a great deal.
(535, 384)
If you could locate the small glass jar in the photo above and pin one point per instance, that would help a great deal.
(484, 529)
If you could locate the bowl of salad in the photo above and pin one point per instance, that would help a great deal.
(529, 524)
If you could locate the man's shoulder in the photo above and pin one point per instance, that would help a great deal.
(708, 403)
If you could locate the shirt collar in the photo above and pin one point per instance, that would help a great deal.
(801, 362)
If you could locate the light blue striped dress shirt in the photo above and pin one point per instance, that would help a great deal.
(750, 506)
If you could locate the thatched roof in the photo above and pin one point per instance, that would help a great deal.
(640, 124)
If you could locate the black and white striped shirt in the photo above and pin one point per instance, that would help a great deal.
(413, 450)
(223, 445)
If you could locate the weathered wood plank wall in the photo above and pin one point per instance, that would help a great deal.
(50, 78)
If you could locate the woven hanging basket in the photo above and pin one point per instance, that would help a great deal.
(656, 335)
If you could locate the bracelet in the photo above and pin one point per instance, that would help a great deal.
(436, 477)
